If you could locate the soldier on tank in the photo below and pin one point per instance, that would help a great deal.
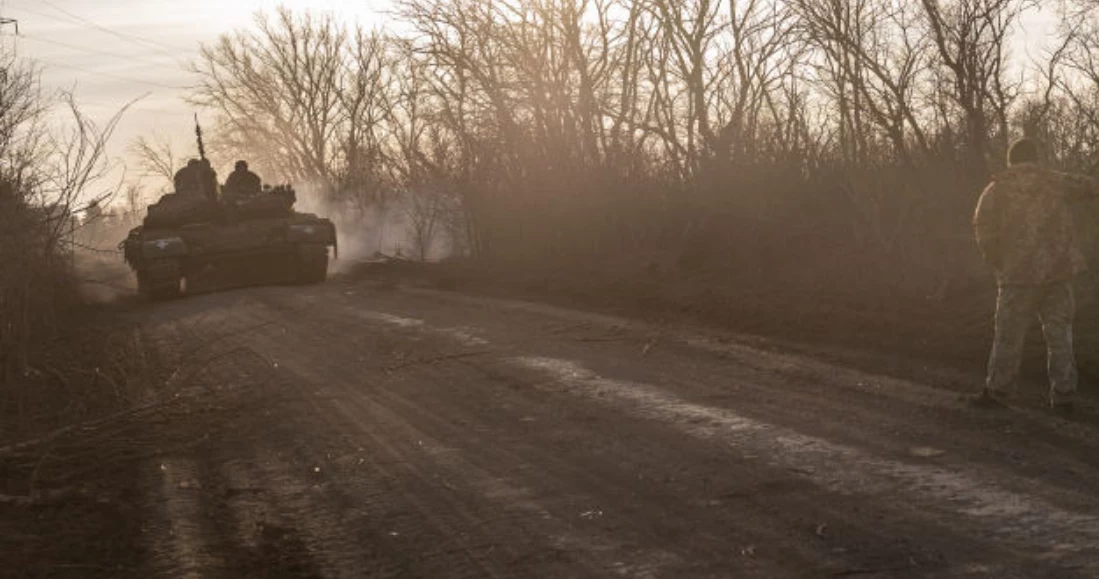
(1025, 231)
(187, 179)
(242, 181)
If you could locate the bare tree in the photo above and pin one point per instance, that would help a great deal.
(157, 157)
(971, 38)
(366, 105)
(1081, 86)
(279, 91)
(566, 128)
(874, 54)
(49, 177)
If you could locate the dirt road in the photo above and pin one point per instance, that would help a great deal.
(372, 432)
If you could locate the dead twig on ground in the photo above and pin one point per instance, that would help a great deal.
(603, 339)
(192, 353)
(110, 381)
(40, 498)
(871, 571)
(130, 413)
(436, 360)
(117, 460)
(178, 380)
(54, 373)
(563, 329)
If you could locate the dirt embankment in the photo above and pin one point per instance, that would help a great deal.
(902, 335)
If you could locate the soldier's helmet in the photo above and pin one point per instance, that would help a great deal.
(241, 165)
(192, 163)
(1025, 150)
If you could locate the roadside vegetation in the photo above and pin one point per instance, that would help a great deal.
(806, 166)
(71, 378)
(53, 172)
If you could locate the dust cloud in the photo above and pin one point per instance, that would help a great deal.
(371, 233)
(101, 274)
(374, 232)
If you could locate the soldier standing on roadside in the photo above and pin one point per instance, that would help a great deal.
(1025, 231)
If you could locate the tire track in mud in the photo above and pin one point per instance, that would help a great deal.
(1025, 522)
(283, 524)
(310, 527)
(480, 468)
(688, 348)
(582, 476)
(180, 535)
(1032, 453)
(1067, 535)
(450, 463)
(179, 543)
(453, 495)
(201, 541)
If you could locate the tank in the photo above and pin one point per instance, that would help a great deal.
(190, 242)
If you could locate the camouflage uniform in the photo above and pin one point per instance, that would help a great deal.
(1025, 231)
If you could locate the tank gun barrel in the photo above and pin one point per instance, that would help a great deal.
(198, 134)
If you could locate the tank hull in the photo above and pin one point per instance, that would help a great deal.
(213, 255)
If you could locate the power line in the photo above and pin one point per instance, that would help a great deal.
(85, 49)
(137, 107)
(111, 75)
(171, 50)
(94, 52)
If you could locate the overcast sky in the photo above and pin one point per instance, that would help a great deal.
(114, 51)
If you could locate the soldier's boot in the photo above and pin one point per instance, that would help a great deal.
(1064, 407)
(987, 400)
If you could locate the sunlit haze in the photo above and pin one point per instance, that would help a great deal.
(111, 53)
(549, 288)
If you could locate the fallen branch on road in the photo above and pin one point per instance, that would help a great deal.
(40, 498)
(121, 457)
(872, 571)
(130, 413)
(179, 380)
(436, 360)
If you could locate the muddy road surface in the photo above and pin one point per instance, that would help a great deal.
(360, 431)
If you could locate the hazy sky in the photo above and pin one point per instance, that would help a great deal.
(113, 51)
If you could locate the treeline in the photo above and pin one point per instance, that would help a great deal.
(51, 155)
(819, 137)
